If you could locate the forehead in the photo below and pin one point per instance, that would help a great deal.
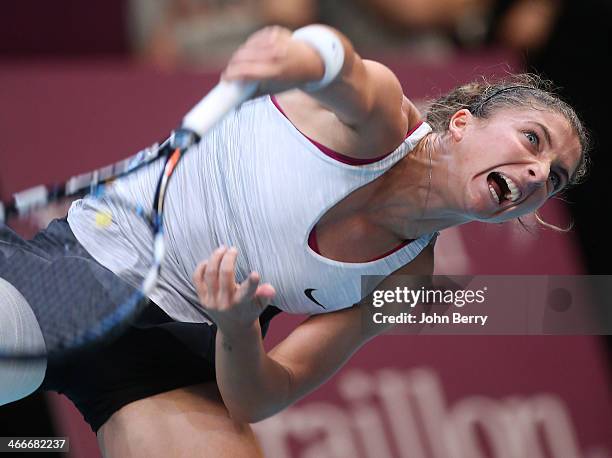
(552, 119)
(565, 143)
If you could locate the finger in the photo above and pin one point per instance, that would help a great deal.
(267, 35)
(264, 295)
(227, 279)
(246, 290)
(211, 276)
(259, 36)
(265, 291)
(198, 274)
(256, 54)
(251, 71)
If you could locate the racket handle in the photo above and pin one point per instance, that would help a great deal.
(223, 98)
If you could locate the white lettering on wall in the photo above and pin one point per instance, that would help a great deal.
(393, 413)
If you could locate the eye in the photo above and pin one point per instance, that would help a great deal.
(533, 138)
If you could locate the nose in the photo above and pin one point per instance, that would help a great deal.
(538, 173)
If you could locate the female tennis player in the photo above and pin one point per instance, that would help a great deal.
(289, 201)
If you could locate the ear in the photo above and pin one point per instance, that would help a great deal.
(459, 123)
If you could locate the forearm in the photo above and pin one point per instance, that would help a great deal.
(365, 95)
(252, 384)
(348, 96)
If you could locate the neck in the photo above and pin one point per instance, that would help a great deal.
(412, 198)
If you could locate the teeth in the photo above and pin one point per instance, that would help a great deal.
(515, 193)
(493, 193)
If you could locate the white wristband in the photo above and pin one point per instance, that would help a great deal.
(329, 47)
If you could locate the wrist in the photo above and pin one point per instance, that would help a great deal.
(328, 45)
(311, 66)
(238, 332)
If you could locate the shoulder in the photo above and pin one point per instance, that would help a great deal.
(390, 116)
(387, 86)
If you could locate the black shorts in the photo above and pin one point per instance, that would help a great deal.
(155, 354)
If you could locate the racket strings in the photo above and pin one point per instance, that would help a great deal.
(93, 182)
(78, 301)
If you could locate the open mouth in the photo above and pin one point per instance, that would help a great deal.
(502, 188)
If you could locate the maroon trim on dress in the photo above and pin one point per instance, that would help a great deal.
(312, 237)
(390, 252)
(413, 130)
(312, 241)
(339, 156)
(314, 246)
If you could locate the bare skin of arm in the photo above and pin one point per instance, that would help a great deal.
(256, 385)
(198, 421)
(363, 113)
(366, 106)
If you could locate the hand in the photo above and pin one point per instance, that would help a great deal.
(273, 58)
(231, 306)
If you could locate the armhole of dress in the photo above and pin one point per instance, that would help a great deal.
(343, 158)
(314, 246)
(312, 236)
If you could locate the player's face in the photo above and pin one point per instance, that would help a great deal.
(511, 163)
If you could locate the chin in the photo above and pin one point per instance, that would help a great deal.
(503, 218)
(479, 209)
(482, 208)
(511, 214)
(489, 214)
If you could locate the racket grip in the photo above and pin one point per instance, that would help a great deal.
(223, 98)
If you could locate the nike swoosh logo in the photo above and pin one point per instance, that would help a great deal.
(308, 293)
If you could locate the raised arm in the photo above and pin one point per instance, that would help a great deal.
(255, 385)
(362, 112)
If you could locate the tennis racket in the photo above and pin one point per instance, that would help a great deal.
(97, 304)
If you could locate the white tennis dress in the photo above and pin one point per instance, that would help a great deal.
(256, 183)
